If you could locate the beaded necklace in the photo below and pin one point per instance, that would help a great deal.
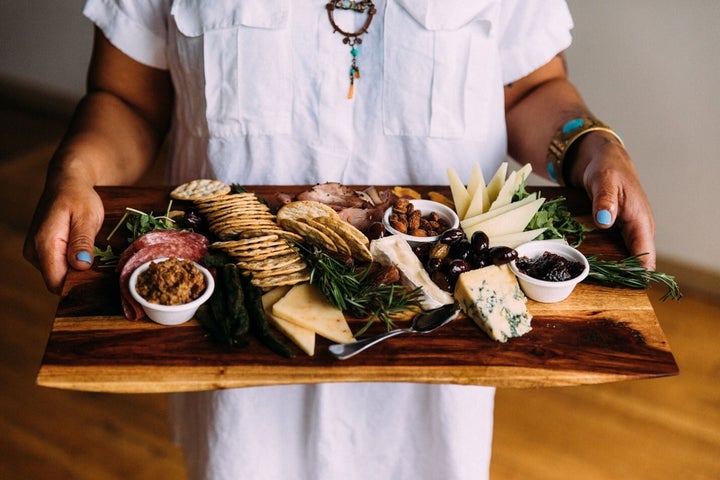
(352, 38)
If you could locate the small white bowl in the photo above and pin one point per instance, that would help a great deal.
(542, 290)
(426, 207)
(171, 314)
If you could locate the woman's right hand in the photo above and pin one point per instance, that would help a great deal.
(63, 230)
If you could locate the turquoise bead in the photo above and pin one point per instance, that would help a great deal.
(551, 171)
(354, 52)
(573, 124)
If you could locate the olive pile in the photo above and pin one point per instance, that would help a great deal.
(454, 254)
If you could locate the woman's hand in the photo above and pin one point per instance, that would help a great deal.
(63, 229)
(604, 168)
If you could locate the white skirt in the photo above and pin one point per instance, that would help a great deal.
(349, 431)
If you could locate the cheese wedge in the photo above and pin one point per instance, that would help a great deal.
(512, 221)
(505, 195)
(470, 221)
(496, 182)
(514, 240)
(300, 336)
(492, 297)
(460, 195)
(304, 305)
(395, 250)
(479, 200)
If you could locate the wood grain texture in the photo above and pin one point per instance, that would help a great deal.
(598, 335)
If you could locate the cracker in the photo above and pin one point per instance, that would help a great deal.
(341, 245)
(200, 189)
(309, 233)
(305, 209)
(291, 279)
(355, 239)
(269, 263)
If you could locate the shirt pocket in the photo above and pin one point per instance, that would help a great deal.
(439, 67)
(235, 65)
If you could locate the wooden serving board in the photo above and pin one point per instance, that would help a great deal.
(599, 334)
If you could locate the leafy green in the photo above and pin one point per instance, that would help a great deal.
(555, 217)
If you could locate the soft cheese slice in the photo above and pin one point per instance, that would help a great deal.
(395, 250)
(492, 297)
(479, 200)
(301, 336)
(304, 305)
(505, 195)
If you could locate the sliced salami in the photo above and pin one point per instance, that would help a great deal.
(159, 236)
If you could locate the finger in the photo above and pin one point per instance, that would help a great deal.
(81, 240)
(47, 254)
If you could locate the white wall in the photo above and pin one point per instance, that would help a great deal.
(649, 68)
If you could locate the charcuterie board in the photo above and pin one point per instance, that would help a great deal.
(600, 334)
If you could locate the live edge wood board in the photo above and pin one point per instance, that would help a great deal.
(600, 334)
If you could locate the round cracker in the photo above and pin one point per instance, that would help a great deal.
(309, 233)
(305, 209)
(341, 245)
(355, 239)
(200, 189)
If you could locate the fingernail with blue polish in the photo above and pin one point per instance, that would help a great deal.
(84, 257)
(603, 217)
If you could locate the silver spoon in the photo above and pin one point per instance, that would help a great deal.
(423, 322)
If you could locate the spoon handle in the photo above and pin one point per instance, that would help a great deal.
(347, 350)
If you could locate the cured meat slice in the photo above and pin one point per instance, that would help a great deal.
(159, 236)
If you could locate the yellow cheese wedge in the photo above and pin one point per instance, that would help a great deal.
(304, 305)
(470, 221)
(514, 240)
(496, 182)
(513, 221)
(460, 195)
(506, 193)
(300, 336)
(479, 200)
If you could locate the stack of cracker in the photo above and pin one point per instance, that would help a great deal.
(248, 232)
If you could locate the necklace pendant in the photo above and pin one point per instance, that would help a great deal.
(352, 38)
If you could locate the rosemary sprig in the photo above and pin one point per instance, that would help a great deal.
(629, 272)
(353, 290)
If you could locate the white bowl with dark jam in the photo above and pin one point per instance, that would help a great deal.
(549, 270)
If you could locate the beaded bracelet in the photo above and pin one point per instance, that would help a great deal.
(564, 139)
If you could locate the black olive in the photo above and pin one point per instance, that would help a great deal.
(459, 266)
(452, 235)
(460, 249)
(479, 241)
(442, 281)
(422, 251)
(433, 264)
(479, 260)
(375, 230)
(502, 255)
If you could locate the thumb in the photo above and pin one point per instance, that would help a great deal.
(81, 242)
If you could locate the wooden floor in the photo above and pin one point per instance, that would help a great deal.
(656, 429)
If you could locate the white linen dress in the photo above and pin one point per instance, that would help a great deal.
(260, 98)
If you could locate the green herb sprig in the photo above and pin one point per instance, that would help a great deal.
(630, 272)
(353, 290)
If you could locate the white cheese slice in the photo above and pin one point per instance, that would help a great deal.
(395, 250)
(461, 197)
(514, 240)
(496, 182)
(301, 336)
(304, 305)
(470, 221)
(513, 221)
(479, 200)
(492, 297)
(505, 195)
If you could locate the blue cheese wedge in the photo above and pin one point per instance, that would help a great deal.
(492, 297)
(395, 250)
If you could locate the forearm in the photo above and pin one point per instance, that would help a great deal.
(107, 143)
